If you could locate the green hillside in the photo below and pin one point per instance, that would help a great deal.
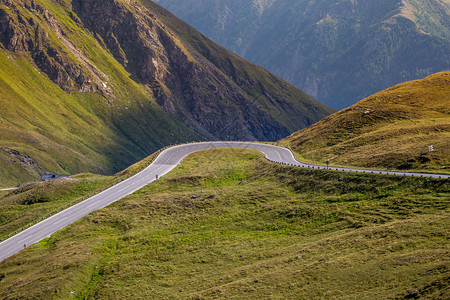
(45, 129)
(87, 88)
(390, 129)
(229, 224)
(336, 51)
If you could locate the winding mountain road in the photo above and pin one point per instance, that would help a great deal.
(164, 163)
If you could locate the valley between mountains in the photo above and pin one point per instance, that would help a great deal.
(90, 86)
(336, 51)
(100, 89)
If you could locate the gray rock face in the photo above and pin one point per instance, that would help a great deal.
(22, 35)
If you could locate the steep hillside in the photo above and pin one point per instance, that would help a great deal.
(90, 86)
(390, 129)
(336, 51)
(67, 105)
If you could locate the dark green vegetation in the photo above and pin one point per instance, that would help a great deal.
(229, 224)
(390, 129)
(89, 86)
(337, 51)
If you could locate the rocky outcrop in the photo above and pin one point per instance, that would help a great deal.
(25, 161)
(31, 35)
(217, 94)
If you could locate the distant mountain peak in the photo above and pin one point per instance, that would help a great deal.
(337, 51)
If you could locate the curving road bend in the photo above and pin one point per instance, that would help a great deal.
(164, 163)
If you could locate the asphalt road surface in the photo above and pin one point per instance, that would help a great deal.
(166, 161)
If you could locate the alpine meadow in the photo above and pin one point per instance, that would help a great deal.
(141, 158)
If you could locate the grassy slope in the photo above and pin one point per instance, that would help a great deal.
(30, 203)
(76, 132)
(391, 129)
(227, 223)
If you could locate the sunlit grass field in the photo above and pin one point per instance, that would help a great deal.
(390, 129)
(229, 224)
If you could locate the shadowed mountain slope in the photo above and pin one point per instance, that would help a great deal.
(94, 86)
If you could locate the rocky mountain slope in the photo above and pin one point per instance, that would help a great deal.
(337, 51)
(390, 129)
(94, 86)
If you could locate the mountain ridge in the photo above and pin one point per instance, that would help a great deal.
(86, 88)
(338, 52)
